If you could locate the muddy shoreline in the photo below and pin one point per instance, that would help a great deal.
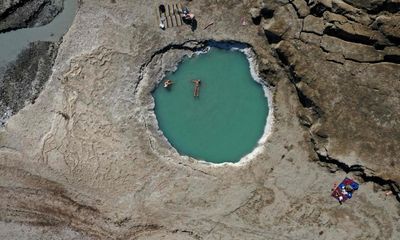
(22, 13)
(29, 50)
(24, 79)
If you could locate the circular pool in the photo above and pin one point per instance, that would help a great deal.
(227, 118)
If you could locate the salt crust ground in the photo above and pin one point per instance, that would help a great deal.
(86, 160)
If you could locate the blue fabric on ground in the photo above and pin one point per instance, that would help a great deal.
(354, 185)
(340, 191)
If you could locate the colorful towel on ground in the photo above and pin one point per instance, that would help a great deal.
(340, 193)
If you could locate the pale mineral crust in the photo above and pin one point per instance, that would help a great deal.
(86, 160)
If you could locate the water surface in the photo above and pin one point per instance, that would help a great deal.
(228, 118)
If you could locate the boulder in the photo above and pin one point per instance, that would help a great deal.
(389, 26)
(352, 51)
(357, 32)
(333, 17)
(310, 38)
(254, 12)
(273, 5)
(395, 51)
(344, 9)
(314, 25)
(367, 5)
(339, 6)
(335, 57)
(392, 54)
(284, 24)
(301, 8)
(255, 15)
(326, 3)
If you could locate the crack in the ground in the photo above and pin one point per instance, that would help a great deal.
(149, 138)
(197, 46)
(190, 233)
(180, 46)
(308, 103)
(359, 170)
(333, 31)
(305, 101)
(392, 7)
(334, 61)
(387, 58)
(317, 9)
(139, 229)
(295, 8)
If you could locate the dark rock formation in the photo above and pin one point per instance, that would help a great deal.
(25, 13)
(24, 79)
(21, 81)
(345, 63)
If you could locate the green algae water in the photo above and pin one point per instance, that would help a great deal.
(227, 119)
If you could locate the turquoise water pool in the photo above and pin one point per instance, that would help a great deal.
(227, 119)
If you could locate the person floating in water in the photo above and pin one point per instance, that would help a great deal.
(196, 88)
(167, 83)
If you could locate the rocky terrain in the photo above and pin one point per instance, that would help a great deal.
(23, 79)
(86, 159)
(15, 14)
(348, 80)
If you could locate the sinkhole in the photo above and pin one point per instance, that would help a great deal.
(228, 118)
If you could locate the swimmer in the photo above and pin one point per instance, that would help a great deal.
(167, 83)
(196, 87)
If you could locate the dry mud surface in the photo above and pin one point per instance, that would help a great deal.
(86, 160)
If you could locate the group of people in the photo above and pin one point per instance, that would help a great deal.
(196, 91)
(186, 15)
